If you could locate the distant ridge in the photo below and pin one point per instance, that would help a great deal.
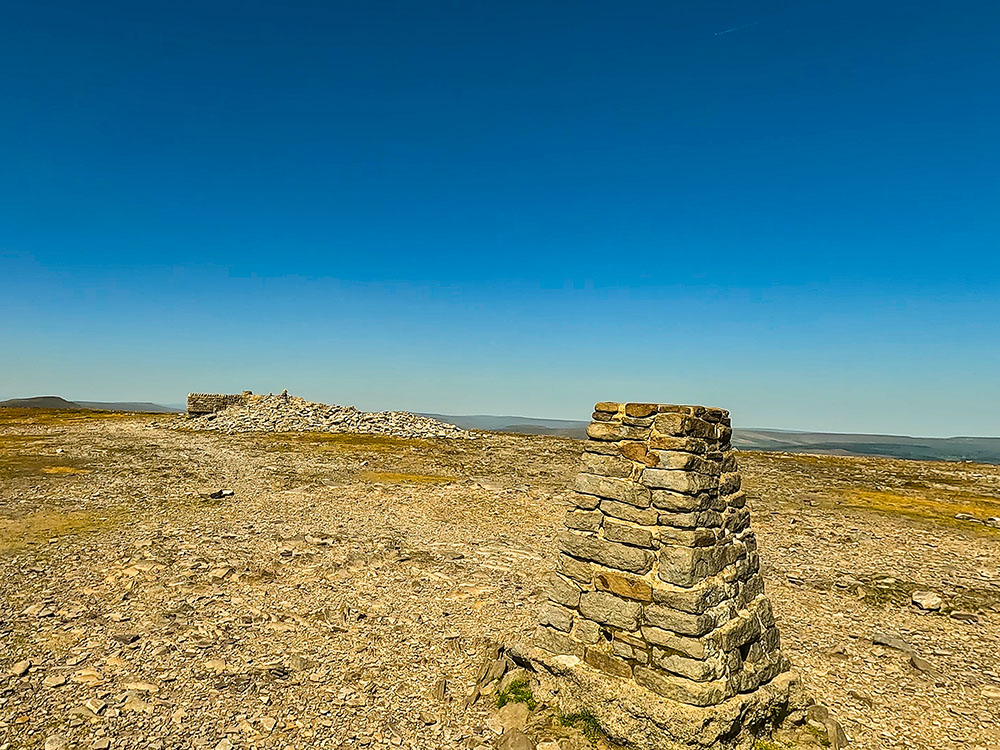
(39, 402)
(58, 402)
(980, 449)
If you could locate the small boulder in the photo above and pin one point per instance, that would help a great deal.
(21, 668)
(927, 600)
(890, 640)
(515, 740)
(921, 664)
(513, 716)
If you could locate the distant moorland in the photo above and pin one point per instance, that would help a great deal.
(979, 449)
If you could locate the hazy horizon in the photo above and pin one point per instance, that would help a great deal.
(582, 419)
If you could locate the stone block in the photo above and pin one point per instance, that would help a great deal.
(736, 521)
(607, 663)
(713, 414)
(696, 599)
(677, 621)
(685, 645)
(658, 441)
(671, 423)
(622, 490)
(586, 631)
(729, 483)
(681, 689)
(610, 554)
(673, 408)
(607, 466)
(754, 674)
(607, 449)
(708, 519)
(557, 617)
(610, 407)
(609, 609)
(640, 410)
(738, 632)
(584, 520)
(635, 641)
(613, 431)
(622, 585)
(737, 500)
(668, 535)
(622, 650)
(681, 425)
(698, 670)
(584, 502)
(677, 502)
(575, 569)
(686, 462)
(686, 566)
(749, 590)
(639, 453)
(635, 536)
(557, 642)
(686, 482)
(563, 591)
(626, 512)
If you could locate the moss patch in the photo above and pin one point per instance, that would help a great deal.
(518, 691)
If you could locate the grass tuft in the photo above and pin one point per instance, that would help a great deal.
(518, 691)
(586, 722)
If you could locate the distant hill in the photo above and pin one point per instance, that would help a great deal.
(981, 449)
(57, 402)
(39, 402)
(527, 425)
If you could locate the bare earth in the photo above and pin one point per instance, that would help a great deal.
(322, 603)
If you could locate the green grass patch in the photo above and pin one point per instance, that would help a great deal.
(770, 745)
(819, 734)
(518, 691)
(586, 722)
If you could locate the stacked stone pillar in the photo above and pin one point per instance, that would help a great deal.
(658, 578)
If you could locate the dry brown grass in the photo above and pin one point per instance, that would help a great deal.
(390, 477)
(40, 527)
(941, 507)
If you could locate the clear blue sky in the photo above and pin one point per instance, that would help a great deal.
(790, 209)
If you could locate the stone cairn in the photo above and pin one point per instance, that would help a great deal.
(658, 585)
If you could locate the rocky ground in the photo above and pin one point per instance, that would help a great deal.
(165, 588)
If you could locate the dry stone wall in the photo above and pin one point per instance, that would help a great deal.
(209, 403)
(658, 577)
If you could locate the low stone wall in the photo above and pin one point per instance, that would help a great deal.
(208, 403)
